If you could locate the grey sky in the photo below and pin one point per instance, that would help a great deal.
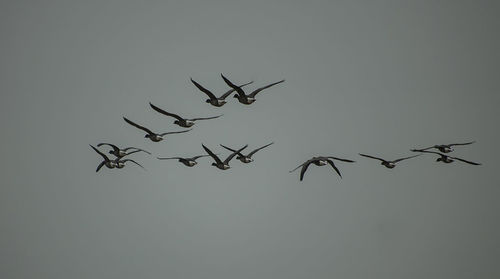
(375, 77)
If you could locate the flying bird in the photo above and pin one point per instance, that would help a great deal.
(244, 98)
(106, 162)
(186, 161)
(183, 122)
(445, 158)
(153, 136)
(122, 152)
(218, 162)
(246, 158)
(220, 101)
(119, 163)
(320, 161)
(445, 148)
(386, 163)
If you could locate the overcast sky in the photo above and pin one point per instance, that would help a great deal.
(375, 77)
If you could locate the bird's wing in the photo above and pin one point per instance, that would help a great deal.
(304, 168)
(368, 156)
(106, 159)
(138, 126)
(169, 158)
(234, 154)
(115, 148)
(425, 151)
(204, 90)
(100, 166)
(264, 87)
(199, 156)
(230, 149)
(130, 160)
(334, 167)
(462, 143)
(128, 148)
(205, 118)
(165, 112)
(262, 147)
(340, 159)
(224, 96)
(401, 159)
(212, 154)
(465, 161)
(132, 152)
(178, 132)
(237, 88)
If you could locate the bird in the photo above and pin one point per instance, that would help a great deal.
(244, 98)
(248, 158)
(122, 152)
(220, 164)
(445, 158)
(153, 136)
(183, 122)
(320, 161)
(386, 163)
(106, 162)
(119, 163)
(446, 148)
(186, 161)
(214, 101)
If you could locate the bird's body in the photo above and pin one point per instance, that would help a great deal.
(119, 163)
(216, 101)
(388, 164)
(153, 136)
(244, 98)
(320, 161)
(223, 165)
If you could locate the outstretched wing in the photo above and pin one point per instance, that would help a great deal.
(106, 159)
(264, 87)
(304, 168)
(465, 161)
(128, 148)
(138, 126)
(165, 112)
(340, 159)
(462, 143)
(334, 167)
(401, 159)
(169, 158)
(100, 166)
(204, 90)
(262, 147)
(237, 88)
(234, 154)
(212, 154)
(199, 156)
(224, 96)
(205, 118)
(230, 149)
(368, 156)
(178, 132)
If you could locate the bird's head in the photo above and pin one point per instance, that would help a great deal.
(147, 136)
(176, 122)
(208, 101)
(110, 152)
(214, 164)
(235, 96)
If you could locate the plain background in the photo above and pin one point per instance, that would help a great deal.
(376, 77)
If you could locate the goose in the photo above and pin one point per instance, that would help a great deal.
(186, 161)
(248, 158)
(446, 148)
(220, 164)
(152, 136)
(106, 162)
(119, 163)
(214, 101)
(445, 158)
(244, 98)
(386, 163)
(183, 122)
(122, 152)
(320, 161)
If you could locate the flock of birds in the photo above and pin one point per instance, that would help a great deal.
(119, 161)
